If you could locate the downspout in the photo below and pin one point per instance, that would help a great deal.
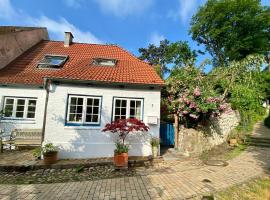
(47, 85)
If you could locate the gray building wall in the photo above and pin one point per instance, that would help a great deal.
(16, 40)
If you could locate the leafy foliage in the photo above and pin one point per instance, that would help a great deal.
(37, 152)
(155, 141)
(121, 148)
(267, 121)
(190, 96)
(168, 53)
(49, 148)
(125, 126)
(244, 86)
(232, 29)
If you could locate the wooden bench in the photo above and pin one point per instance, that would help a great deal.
(27, 137)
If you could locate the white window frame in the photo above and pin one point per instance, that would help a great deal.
(83, 122)
(128, 106)
(14, 109)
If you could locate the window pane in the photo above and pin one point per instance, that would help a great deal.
(117, 111)
(20, 108)
(71, 117)
(124, 103)
(79, 109)
(31, 115)
(88, 118)
(117, 103)
(96, 102)
(138, 110)
(123, 111)
(19, 114)
(80, 101)
(132, 104)
(10, 101)
(72, 109)
(89, 110)
(20, 102)
(8, 110)
(32, 103)
(95, 118)
(132, 111)
(73, 100)
(96, 110)
(116, 117)
(89, 101)
(75, 117)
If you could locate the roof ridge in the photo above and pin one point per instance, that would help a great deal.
(133, 55)
(83, 43)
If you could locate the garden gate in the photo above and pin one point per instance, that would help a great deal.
(167, 134)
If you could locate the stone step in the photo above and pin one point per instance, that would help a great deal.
(257, 144)
(260, 140)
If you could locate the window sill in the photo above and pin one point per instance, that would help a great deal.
(70, 127)
(18, 121)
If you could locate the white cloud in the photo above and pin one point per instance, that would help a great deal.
(124, 7)
(155, 38)
(56, 28)
(6, 10)
(185, 10)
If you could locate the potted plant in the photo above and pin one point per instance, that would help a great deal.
(233, 139)
(50, 153)
(155, 144)
(122, 127)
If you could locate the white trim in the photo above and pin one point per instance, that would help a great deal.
(84, 106)
(128, 100)
(14, 108)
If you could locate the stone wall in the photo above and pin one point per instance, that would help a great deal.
(195, 141)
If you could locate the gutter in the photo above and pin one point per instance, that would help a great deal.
(47, 83)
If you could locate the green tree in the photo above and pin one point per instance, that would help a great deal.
(232, 29)
(177, 54)
(156, 56)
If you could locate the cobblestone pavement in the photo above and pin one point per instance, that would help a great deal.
(172, 180)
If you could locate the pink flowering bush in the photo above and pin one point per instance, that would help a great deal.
(195, 106)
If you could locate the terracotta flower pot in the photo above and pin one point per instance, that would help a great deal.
(233, 142)
(50, 158)
(121, 160)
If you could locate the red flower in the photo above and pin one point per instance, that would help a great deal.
(125, 126)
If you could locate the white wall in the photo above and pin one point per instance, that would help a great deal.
(40, 94)
(89, 142)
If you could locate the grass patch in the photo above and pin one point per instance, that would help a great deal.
(235, 152)
(254, 190)
(223, 152)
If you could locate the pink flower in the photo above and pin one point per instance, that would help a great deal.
(197, 92)
(187, 101)
(192, 105)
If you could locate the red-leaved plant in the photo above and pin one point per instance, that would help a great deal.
(125, 126)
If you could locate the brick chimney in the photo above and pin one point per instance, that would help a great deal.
(68, 39)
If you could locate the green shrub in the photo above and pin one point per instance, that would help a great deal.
(37, 152)
(155, 142)
(267, 121)
(121, 148)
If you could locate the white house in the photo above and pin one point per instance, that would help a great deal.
(71, 90)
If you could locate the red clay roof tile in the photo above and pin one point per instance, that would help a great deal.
(128, 69)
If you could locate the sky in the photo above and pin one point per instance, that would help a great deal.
(129, 23)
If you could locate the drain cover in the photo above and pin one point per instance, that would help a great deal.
(216, 163)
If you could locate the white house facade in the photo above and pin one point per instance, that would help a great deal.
(72, 91)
